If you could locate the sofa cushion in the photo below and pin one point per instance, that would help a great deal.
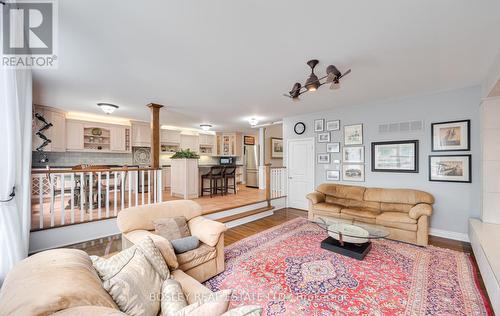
(195, 257)
(172, 297)
(397, 220)
(172, 228)
(395, 207)
(133, 276)
(327, 207)
(193, 290)
(403, 196)
(342, 191)
(185, 244)
(72, 279)
(361, 212)
(165, 247)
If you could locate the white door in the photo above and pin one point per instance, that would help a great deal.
(300, 164)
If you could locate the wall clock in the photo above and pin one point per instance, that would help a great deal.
(299, 128)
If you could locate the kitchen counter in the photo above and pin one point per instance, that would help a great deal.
(206, 165)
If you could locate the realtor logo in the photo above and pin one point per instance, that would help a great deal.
(28, 31)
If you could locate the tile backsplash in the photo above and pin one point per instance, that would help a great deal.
(69, 159)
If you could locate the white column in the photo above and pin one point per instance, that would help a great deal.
(490, 164)
(262, 158)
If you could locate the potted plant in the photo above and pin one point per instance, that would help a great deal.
(185, 154)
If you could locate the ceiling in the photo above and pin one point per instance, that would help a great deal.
(224, 61)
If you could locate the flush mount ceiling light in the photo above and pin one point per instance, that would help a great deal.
(253, 121)
(107, 108)
(205, 127)
(333, 76)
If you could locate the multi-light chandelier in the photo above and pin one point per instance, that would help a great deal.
(333, 76)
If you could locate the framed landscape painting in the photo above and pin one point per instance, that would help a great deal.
(452, 168)
(451, 136)
(276, 147)
(353, 172)
(395, 156)
(353, 134)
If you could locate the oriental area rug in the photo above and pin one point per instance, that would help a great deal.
(285, 271)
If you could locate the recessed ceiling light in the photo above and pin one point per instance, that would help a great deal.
(107, 108)
(205, 127)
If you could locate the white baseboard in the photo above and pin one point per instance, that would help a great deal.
(448, 234)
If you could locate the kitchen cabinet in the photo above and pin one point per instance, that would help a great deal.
(56, 133)
(170, 136)
(229, 144)
(118, 141)
(206, 139)
(190, 142)
(166, 174)
(74, 135)
(141, 134)
(208, 144)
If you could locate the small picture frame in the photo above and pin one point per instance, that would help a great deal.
(319, 125)
(450, 168)
(276, 148)
(333, 125)
(353, 134)
(323, 158)
(333, 147)
(332, 175)
(451, 136)
(354, 173)
(324, 137)
(354, 154)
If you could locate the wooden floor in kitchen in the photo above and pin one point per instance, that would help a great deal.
(244, 196)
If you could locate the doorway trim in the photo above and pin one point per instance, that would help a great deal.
(312, 140)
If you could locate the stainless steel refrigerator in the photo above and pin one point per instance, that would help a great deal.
(251, 160)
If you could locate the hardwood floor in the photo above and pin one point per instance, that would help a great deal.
(107, 246)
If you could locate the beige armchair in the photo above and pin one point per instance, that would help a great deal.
(202, 263)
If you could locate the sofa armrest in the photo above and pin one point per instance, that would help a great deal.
(165, 247)
(316, 197)
(419, 210)
(206, 230)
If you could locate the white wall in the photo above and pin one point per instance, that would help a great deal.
(455, 202)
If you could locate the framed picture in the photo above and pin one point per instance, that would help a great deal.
(319, 125)
(276, 147)
(249, 140)
(324, 158)
(451, 136)
(353, 134)
(355, 154)
(333, 125)
(323, 137)
(333, 147)
(452, 168)
(396, 156)
(332, 175)
(353, 172)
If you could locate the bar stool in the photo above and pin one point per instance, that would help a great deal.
(214, 175)
(230, 174)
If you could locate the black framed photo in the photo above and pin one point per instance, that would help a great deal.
(450, 168)
(319, 125)
(451, 136)
(395, 156)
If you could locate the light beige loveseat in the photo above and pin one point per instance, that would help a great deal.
(64, 282)
(202, 263)
(404, 212)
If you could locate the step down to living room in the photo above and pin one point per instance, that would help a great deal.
(245, 214)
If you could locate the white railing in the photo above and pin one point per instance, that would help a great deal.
(65, 197)
(277, 182)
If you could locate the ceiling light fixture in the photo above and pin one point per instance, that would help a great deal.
(205, 127)
(107, 108)
(253, 121)
(333, 76)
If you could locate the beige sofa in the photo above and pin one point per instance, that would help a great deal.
(404, 212)
(202, 263)
(64, 282)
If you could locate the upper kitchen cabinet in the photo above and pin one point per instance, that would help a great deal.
(89, 136)
(168, 136)
(74, 135)
(120, 138)
(190, 142)
(229, 144)
(208, 144)
(141, 134)
(56, 133)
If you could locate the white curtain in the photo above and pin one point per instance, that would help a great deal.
(15, 166)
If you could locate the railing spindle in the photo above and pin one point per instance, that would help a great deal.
(122, 189)
(107, 194)
(160, 186)
(52, 192)
(91, 198)
(136, 181)
(40, 187)
(72, 205)
(142, 186)
(82, 197)
(149, 186)
(99, 208)
(129, 177)
(115, 194)
(154, 187)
